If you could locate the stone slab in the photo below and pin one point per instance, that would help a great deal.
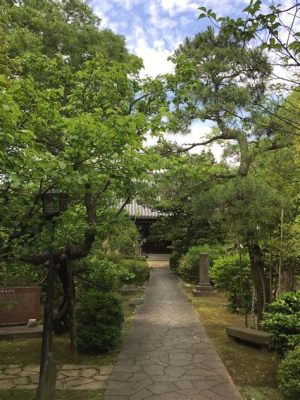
(249, 335)
(75, 377)
(167, 354)
(20, 332)
(204, 292)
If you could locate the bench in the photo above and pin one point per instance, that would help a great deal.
(254, 336)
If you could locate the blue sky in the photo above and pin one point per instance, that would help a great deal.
(154, 28)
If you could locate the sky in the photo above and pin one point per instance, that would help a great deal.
(154, 29)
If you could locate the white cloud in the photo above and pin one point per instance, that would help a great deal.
(174, 7)
(126, 4)
(102, 6)
(222, 7)
(102, 10)
(199, 132)
(154, 55)
(156, 19)
(155, 58)
(184, 21)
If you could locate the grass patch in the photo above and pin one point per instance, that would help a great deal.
(262, 393)
(18, 394)
(28, 351)
(253, 370)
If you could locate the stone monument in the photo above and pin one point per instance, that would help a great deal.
(204, 286)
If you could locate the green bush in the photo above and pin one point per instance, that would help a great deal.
(124, 237)
(137, 268)
(107, 275)
(232, 274)
(19, 274)
(189, 263)
(289, 375)
(99, 317)
(174, 260)
(282, 319)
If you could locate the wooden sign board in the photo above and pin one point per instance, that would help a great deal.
(19, 304)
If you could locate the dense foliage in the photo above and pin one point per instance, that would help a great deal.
(74, 114)
(110, 274)
(249, 198)
(289, 374)
(137, 267)
(99, 317)
(282, 319)
(106, 275)
(189, 263)
(123, 238)
(231, 273)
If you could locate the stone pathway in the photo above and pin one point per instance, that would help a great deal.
(71, 377)
(167, 355)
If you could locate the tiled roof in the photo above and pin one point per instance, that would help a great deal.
(138, 211)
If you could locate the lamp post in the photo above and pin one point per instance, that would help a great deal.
(54, 203)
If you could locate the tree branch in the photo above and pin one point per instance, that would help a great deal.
(192, 145)
(137, 100)
(123, 206)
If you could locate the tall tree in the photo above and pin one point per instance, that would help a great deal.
(73, 117)
(275, 30)
(219, 80)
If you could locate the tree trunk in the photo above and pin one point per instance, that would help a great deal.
(65, 318)
(261, 282)
(287, 281)
(71, 312)
(61, 322)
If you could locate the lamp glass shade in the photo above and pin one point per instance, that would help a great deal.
(54, 202)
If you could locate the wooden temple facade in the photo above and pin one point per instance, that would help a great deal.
(144, 217)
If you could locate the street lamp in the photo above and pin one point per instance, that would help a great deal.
(54, 203)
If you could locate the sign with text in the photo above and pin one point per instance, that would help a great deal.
(19, 304)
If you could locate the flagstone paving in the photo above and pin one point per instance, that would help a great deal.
(71, 377)
(167, 355)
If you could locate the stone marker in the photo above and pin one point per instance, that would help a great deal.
(203, 269)
(204, 286)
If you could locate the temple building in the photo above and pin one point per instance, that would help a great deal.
(144, 217)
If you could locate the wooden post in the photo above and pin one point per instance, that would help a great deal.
(48, 322)
(47, 383)
(281, 253)
(71, 305)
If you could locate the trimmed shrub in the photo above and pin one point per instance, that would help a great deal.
(232, 274)
(289, 375)
(141, 273)
(99, 317)
(108, 275)
(189, 263)
(282, 319)
(137, 268)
